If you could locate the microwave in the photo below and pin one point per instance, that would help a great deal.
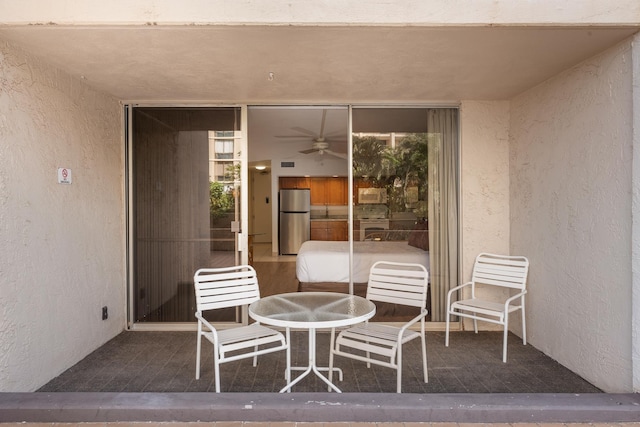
(369, 196)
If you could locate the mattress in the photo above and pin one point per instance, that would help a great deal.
(328, 261)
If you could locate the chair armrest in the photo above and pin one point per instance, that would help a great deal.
(513, 298)
(423, 313)
(206, 323)
(452, 290)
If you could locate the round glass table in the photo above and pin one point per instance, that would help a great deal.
(312, 310)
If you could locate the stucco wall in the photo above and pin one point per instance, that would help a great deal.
(570, 171)
(484, 158)
(61, 246)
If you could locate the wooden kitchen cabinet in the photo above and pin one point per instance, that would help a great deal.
(338, 230)
(325, 191)
(336, 191)
(319, 230)
(329, 230)
(318, 188)
(329, 191)
(294, 182)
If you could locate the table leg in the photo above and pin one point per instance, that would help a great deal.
(312, 366)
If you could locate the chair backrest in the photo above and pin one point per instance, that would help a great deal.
(501, 270)
(225, 287)
(398, 283)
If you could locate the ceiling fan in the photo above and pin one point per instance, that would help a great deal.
(319, 143)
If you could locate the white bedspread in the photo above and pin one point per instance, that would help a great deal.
(328, 261)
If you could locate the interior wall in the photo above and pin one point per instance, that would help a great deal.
(484, 185)
(571, 157)
(61, 245)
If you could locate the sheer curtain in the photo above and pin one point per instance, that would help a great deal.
(443, 147)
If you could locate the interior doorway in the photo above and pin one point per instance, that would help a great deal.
(260, 204)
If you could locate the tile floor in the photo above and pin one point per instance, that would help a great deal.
(165, 362)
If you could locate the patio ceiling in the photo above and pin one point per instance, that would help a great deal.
(312, 64)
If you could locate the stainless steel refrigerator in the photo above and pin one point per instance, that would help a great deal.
(295, 219)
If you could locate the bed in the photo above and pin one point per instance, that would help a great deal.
(328, 261)
(324, 266)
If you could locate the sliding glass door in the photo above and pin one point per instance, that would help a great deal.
(186, 206)
(382, 182)
(405, 182)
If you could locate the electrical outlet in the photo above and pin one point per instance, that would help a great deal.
(105, 313)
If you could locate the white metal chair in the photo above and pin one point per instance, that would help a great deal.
(225, 287)
(397, 283)
(498, 271)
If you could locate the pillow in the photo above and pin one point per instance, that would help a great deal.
(419, 236)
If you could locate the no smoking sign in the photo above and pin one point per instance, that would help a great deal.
(64, 176)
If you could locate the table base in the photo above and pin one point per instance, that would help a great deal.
(313, 367)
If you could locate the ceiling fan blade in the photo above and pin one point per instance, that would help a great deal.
(309, 151)
(339, 155)
(300, 137)
(336, 140)
(303, 131)
(324, 118)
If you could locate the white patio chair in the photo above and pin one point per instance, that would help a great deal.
(225, 287)
(498, 271)
(392, 282)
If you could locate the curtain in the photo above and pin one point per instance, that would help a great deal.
(442, 200)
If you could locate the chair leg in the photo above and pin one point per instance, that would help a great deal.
(504, 338)
(198, 344)
(524, 324)
(399, 369)
(216, 368)
(475, 325)
(424, 356)
(446, 334)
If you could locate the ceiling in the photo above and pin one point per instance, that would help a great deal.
(312, 64)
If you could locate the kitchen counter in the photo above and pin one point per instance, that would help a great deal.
(330, 218)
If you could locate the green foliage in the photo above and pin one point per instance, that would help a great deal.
(370, 158)
(401, 169)
(220, 200)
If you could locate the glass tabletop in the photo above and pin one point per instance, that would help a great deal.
(312, 309)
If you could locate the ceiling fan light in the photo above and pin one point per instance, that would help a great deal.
(261, 167)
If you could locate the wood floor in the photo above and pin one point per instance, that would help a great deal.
(276, 277)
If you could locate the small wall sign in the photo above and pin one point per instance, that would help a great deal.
(64, 176)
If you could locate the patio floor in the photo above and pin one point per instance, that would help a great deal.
(165, 362)
(149, 377)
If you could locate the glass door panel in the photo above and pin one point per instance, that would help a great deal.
(390, 187)
(186, 210)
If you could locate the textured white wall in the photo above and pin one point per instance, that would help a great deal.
(61, 246)
(484, 185)
(571, 157)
